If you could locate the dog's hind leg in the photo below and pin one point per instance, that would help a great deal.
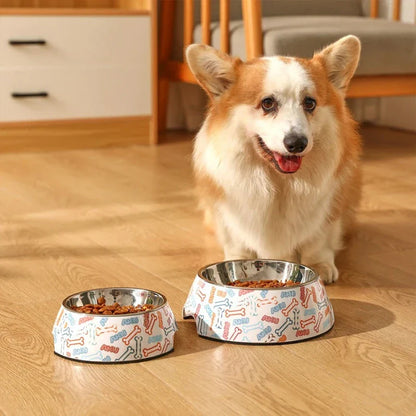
(319, 252)
(209, 220)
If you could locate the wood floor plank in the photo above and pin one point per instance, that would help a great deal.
(74, 219)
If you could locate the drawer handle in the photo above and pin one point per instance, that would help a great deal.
(29, 94)
(27, 42)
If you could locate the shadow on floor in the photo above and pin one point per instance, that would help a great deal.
(355, 317)
(189, 342)
(351, 318)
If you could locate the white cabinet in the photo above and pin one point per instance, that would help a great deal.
(80, 67)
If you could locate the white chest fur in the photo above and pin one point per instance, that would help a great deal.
(275, 225)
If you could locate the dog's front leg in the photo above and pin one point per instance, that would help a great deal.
(319, 252)
(276, 254)
(234, 249)
(238, 252)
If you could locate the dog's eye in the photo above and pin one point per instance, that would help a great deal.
(268, 104)
(309, 104)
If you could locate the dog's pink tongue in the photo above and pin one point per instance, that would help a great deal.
(288, 164)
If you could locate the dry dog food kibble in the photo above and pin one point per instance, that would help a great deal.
(262, 283)
(115, 309)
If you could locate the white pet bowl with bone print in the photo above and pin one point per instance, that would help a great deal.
(259, 315)
(114, 338)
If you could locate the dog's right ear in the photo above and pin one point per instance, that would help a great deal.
(214, 70)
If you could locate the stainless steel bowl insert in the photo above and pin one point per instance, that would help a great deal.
(227, 272)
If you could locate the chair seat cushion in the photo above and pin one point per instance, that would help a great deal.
(387, 47)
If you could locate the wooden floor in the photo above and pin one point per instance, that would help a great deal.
(78, 219)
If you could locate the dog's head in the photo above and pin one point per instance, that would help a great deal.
(280, 102)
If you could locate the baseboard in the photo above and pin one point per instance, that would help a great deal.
(75, 134)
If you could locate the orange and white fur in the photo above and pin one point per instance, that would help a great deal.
(277, 158)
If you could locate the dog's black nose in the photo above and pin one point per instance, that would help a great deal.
(295, 143)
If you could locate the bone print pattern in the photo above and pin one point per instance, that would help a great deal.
(120, 338)
(272, 316)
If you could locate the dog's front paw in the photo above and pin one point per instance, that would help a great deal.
(327, 271)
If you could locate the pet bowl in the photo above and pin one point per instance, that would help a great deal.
(114, 338)
(259, 315)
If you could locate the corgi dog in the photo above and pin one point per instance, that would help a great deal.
(276, 160)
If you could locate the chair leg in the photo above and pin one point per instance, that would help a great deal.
(166, 21)
(162, 99)
(253, 28)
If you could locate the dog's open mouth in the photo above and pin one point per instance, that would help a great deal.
(285, 164)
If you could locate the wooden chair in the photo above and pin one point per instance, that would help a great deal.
(174, 70)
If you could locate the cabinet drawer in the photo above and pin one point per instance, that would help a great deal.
(74, 40)
(75, 93)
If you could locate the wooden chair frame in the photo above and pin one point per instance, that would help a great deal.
(361, 86)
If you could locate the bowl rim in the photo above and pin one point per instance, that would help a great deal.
(316, 278)
(121, 315)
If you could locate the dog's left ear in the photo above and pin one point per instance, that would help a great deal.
(214, 70)
(341, 60)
